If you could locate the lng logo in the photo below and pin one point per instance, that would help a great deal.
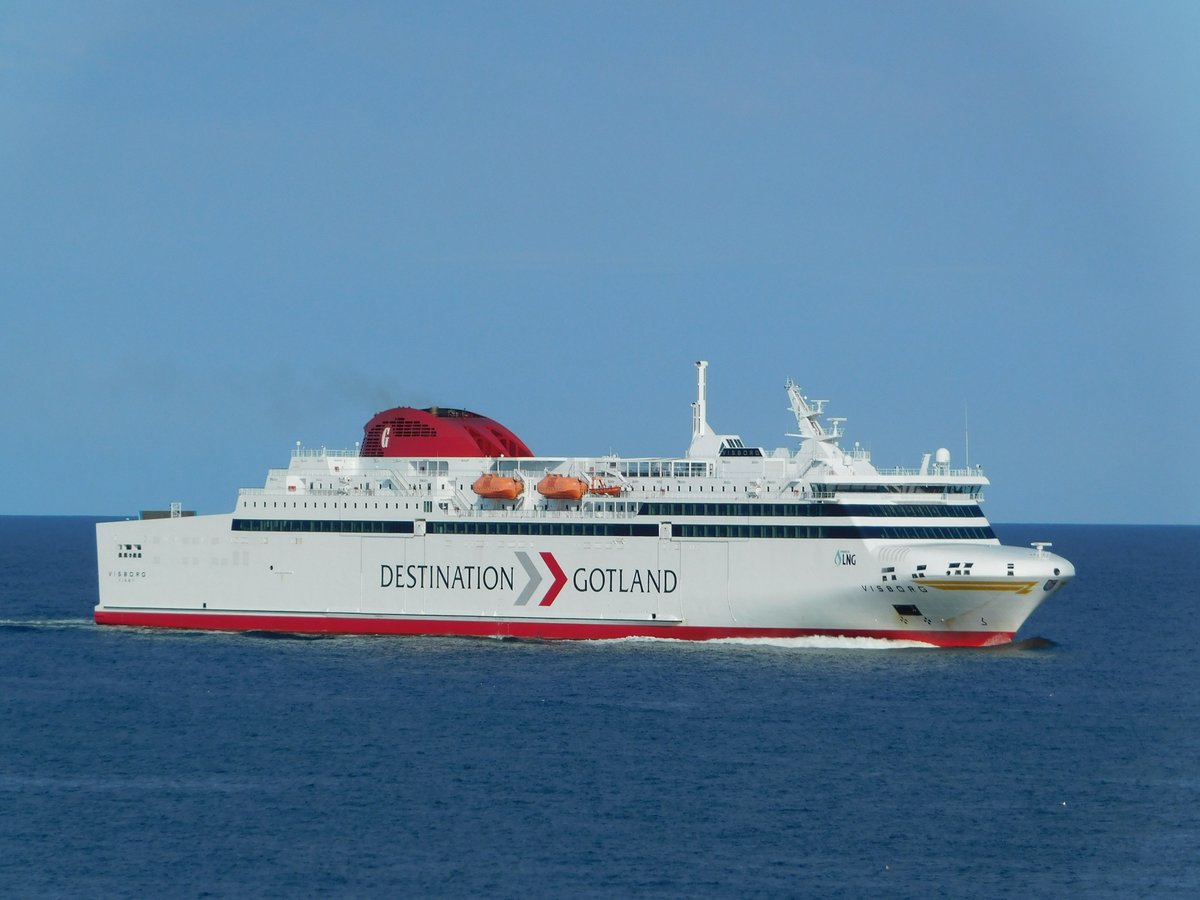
(844, 558)
(535, 578)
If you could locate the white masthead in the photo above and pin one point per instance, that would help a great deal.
(705, 442)
(700, 407)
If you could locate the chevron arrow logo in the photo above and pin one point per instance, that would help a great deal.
(536, 578)
(559, 579)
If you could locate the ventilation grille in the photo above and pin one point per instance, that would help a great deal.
(401, 427)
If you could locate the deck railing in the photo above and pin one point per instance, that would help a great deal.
(932, 472)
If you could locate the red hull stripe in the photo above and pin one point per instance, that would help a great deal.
(526, 628)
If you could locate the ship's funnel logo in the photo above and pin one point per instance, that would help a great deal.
(536, 578)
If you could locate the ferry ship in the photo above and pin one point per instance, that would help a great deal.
(443, 522)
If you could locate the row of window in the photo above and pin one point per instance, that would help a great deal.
(325, 504)
(620, 529)
(328, 526)
(577, 529)
(833, 510)
(749, 510)
(849, 532)
(897, 488)
(663, 469)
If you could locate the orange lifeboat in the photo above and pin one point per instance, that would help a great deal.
(605, 490)
(497, 487)
(562, 487)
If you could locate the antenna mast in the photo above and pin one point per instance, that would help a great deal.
(966, 438)
(700, 407)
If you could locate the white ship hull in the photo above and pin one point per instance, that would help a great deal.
(198, 573)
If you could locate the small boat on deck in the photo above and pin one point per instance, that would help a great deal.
(497, 487)
(562, 487)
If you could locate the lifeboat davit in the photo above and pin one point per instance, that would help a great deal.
(497, 487)
(562, 487)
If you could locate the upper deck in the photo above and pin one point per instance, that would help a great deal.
(717, 469)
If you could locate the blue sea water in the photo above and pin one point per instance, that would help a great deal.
(137, 762)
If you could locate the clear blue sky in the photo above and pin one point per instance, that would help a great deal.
(226, 227)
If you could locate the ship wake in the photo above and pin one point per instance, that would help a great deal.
(11, 625)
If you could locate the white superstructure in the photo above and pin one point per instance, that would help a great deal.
(727, 540)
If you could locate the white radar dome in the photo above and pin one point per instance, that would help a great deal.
(942, 457)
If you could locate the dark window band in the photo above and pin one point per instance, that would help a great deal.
(809, 510)
(578, 529)
(847, 532)
(325, 526)
(621, 529)
(897, 488)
